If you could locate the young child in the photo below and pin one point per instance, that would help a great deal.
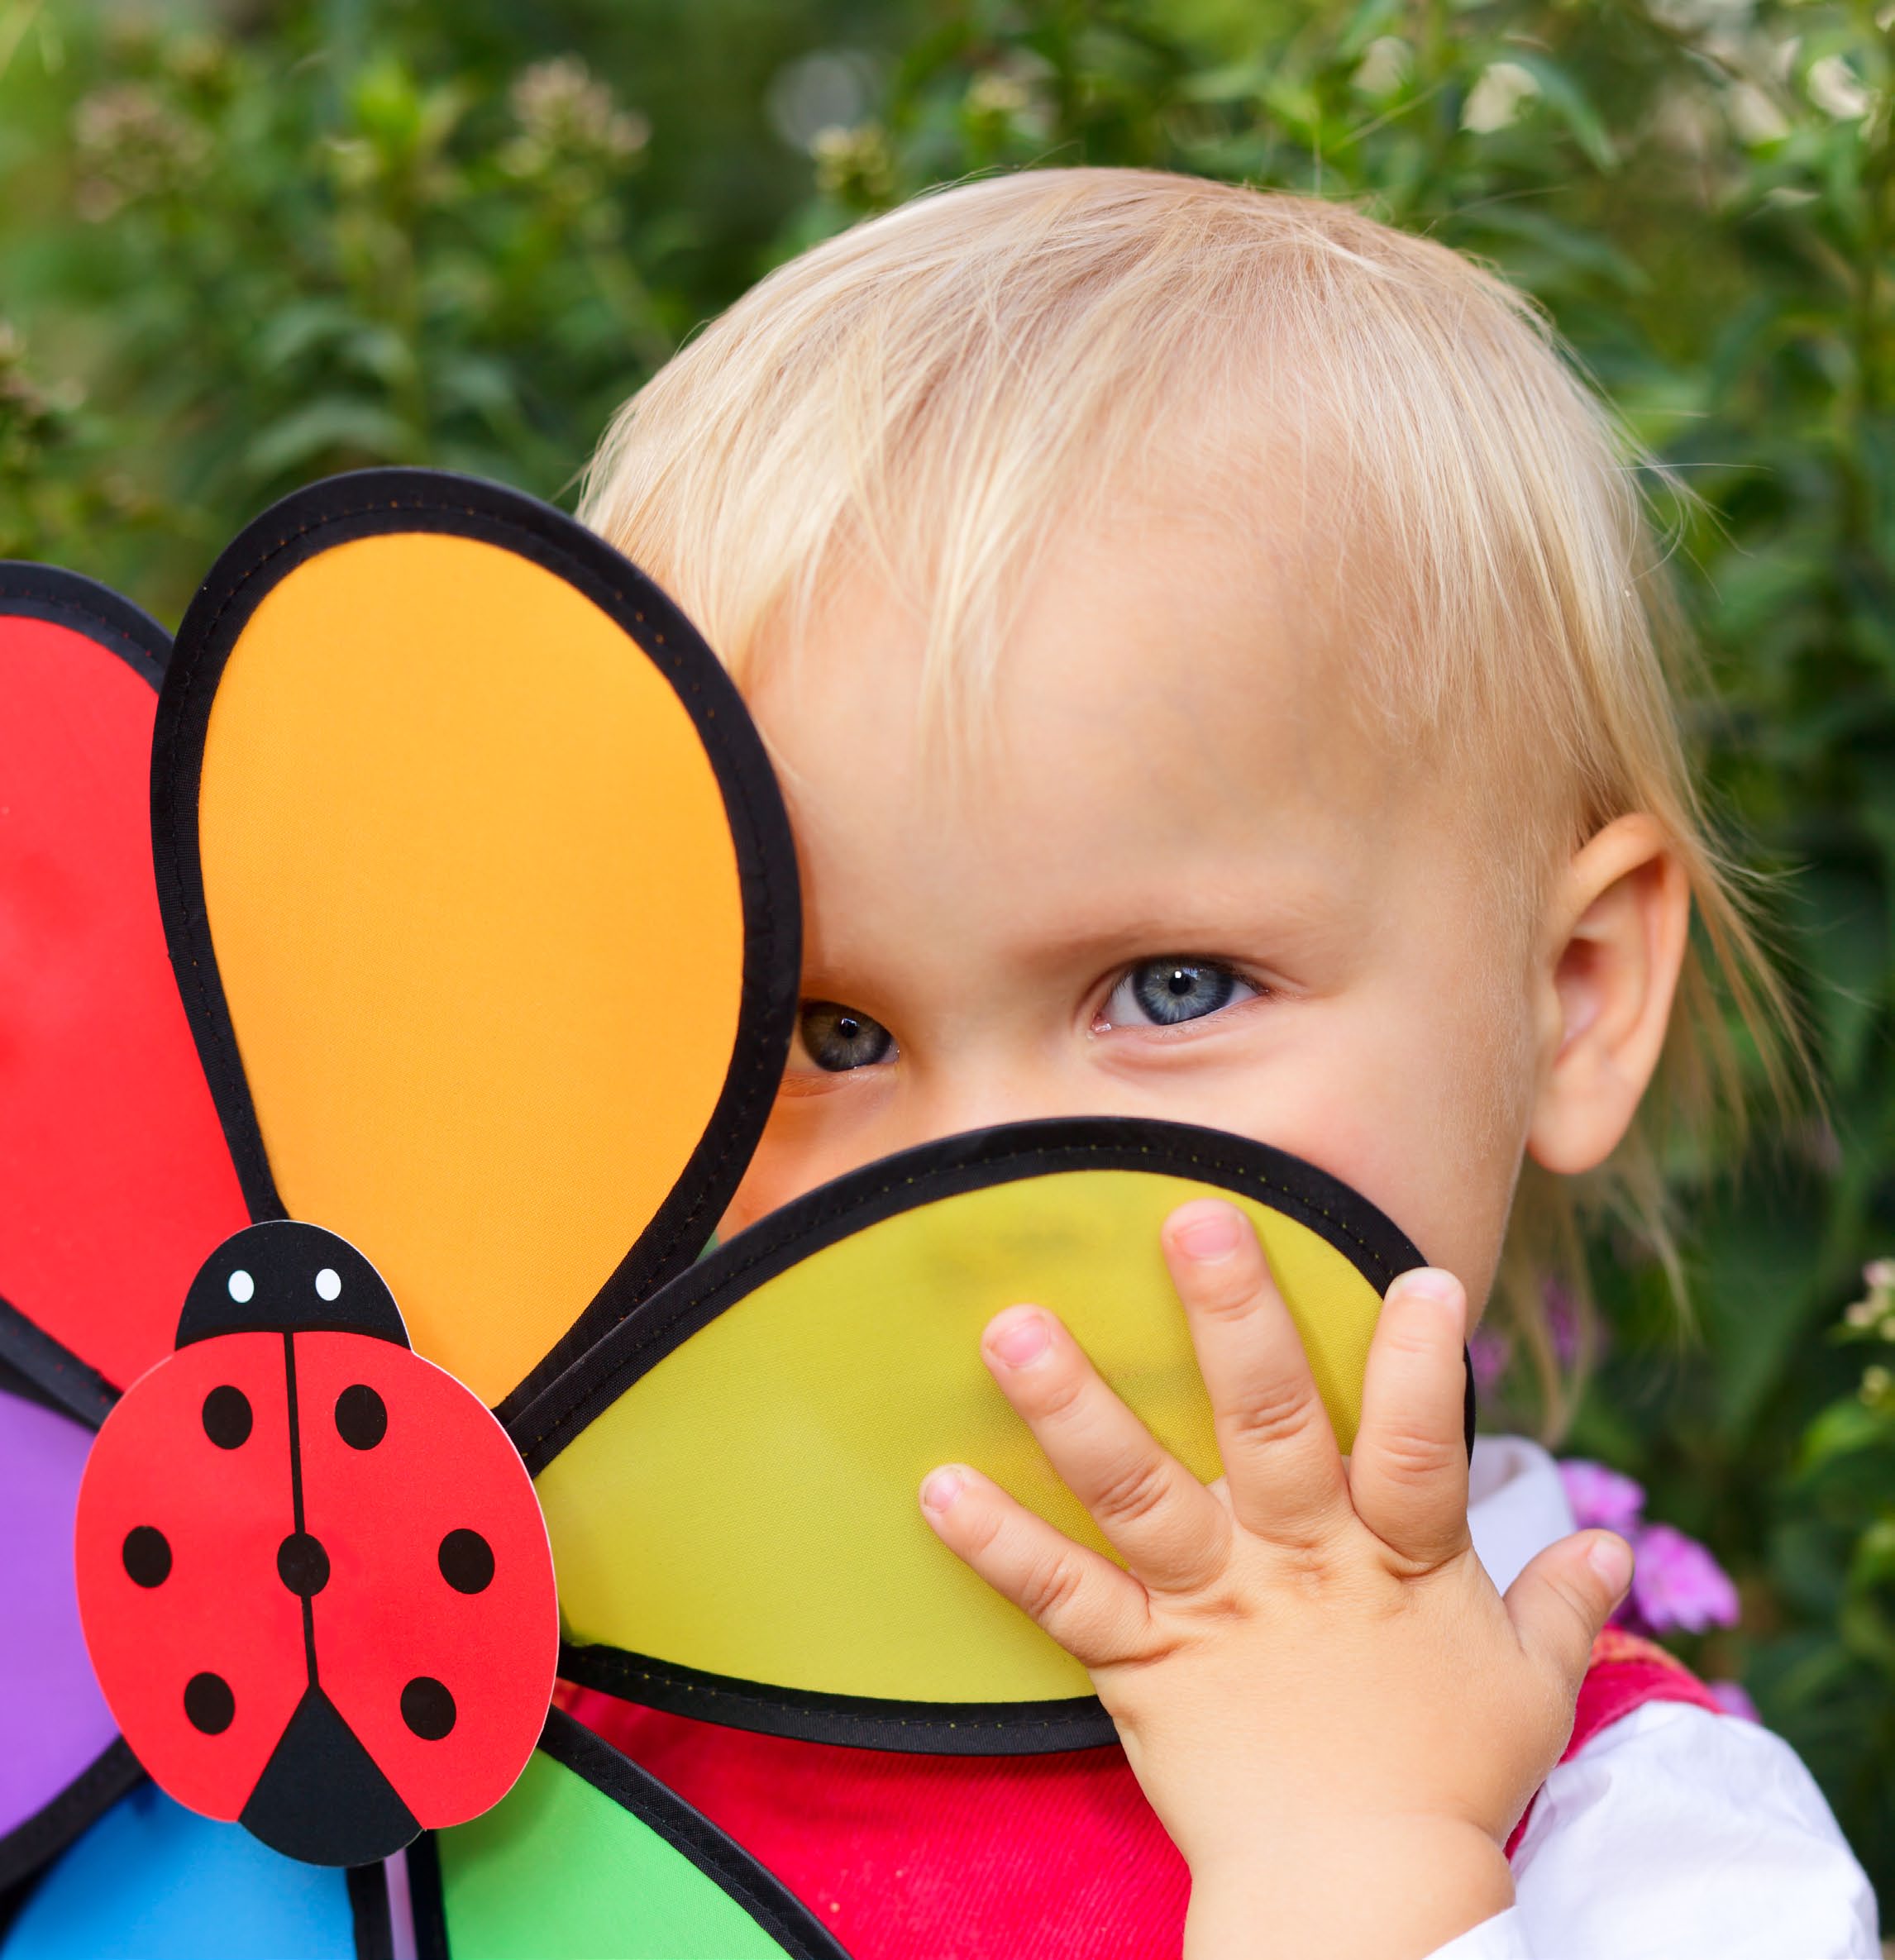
(1211, 650)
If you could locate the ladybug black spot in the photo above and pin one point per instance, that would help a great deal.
(361, 1417)
(428, 1708)
(227, 1418)
(466, 1561)
(302, 1564)
(209, 1704)
(147, 1555)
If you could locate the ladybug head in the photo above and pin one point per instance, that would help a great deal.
(287, 1277)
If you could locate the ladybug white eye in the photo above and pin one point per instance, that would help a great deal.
(242, 1286)
(328, 1282)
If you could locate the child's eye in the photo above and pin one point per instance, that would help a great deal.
(835, 1037)
(1162, 993)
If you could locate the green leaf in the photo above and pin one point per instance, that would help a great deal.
(1757, 1300)
(335, 426)
(1564, 96)
(1841, 1430)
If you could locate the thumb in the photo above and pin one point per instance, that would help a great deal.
(1560, 1603)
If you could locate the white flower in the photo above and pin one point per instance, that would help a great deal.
(1387, 63)
(1503, 88)
(1836, 89)
(1754, 117)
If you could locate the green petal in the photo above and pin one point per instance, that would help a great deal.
(589, 1858)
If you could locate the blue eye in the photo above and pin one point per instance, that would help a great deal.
(837, 1037)
(1163, 993)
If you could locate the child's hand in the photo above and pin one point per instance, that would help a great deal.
(1334, 1713)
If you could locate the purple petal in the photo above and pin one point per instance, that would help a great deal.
(1734, 1699)
(1489, 1354)
(1677, 1584)
(53, 1720)
(1563, 1322)
(1601, 1497)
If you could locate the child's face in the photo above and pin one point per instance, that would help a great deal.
(1176, 818)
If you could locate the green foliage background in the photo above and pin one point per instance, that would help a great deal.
(242, 246)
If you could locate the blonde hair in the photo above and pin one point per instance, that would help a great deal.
(936, 394)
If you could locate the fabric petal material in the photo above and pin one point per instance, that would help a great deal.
(54, 1722)
(115, 1179)
(589, 1858)
(154, 1881)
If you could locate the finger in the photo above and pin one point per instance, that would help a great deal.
(1165, 1524)
(1096, 1611)
(1280, 1455)
(1562, 1598)
(1408, 1472)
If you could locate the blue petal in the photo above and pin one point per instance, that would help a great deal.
(154, 1881)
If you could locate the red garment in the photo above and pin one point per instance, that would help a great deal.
(989, 1857)
(1624, 1673)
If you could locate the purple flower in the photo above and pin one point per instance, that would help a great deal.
(1678, 1584)
(1601, 1497)
(1732, 1697)
(1489, 1353)
(1563, 1322)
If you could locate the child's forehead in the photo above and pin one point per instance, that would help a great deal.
(1170, 712)
(1150, 648)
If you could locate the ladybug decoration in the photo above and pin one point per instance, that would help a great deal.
(313, 1575)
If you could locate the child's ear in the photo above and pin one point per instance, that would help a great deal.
(1617, 929)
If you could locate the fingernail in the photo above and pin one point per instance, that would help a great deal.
(1213, 1231)
(1022, 1339)
(1611, 1558)
(1427, 1282)
(939, 1488)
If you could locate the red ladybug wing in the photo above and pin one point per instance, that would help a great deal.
(115, 1180)
(170, 1617)
(467, 1636)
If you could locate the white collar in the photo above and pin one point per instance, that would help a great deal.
(1516, 1505)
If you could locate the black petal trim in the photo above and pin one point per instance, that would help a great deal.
(370, 1912)
(40, 1838)
(70, 600)
(426, 1903)
(848, 1721)
(50, 1372)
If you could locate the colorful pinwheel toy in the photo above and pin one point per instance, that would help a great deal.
(391, 1004)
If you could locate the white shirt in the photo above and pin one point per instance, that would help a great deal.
(1674, 1834)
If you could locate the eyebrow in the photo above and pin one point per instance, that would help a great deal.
(1285, 918)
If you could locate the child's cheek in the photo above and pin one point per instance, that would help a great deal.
(1415, 1140)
